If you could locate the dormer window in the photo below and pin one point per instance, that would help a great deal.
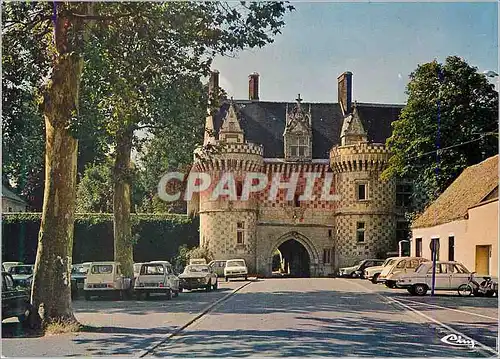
(298, 147)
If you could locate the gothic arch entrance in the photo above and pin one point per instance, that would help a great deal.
(298, 257)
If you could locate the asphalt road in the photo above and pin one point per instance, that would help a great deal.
(326, 317)
(274, 317)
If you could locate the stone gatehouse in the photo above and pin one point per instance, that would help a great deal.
(343, 143)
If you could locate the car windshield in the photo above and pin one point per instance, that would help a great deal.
(21, 270)
(420, 268)
(152, 269)
(102, 269)
(79, 269)
(389, 262)
(235, 264)
(196, 268)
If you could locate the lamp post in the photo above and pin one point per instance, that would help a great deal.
(400, 245)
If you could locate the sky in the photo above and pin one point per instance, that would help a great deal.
(380, 43)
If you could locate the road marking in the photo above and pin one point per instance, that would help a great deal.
(452, 309)
(201, 314)
(447, 327)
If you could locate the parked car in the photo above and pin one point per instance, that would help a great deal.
(106, 278)
(198, 261)
(198, 276)
(218, 266)
(156, 277)
(448, 276)
(78, 275)
(236, 268)
(401, 265)
(7, 265)
(16, 302)
(373, 273)
(22, 274)
(358, 270)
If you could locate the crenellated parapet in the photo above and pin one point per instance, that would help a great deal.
(238, 157)
(359, 157)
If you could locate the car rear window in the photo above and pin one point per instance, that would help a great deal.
(102, 269)
(21, 270)
(196, 268)
(152, 269)
(235, 264)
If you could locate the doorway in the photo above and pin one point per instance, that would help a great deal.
(483, 260)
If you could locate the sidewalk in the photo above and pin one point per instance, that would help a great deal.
(124, 328)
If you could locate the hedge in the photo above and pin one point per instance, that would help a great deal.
(158, 236)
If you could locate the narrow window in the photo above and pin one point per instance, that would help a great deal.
(296, 202)
(240, 233)
(418, 247)
(239, 189)
(451, 248)
(327, 255)
(330, 233)
(361, 191)
(360, 231)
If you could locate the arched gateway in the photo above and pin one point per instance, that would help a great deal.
(299, 257)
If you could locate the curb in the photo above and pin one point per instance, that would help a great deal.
(198, 316)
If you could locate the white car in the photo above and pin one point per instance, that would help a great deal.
(236, 268)
(156, 277)
(449, 276)
(373, 273)
(197, 261)
(400, 265)
(104, 278)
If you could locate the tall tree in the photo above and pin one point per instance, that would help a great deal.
(142, 46)
(151, 69)
(449, 123)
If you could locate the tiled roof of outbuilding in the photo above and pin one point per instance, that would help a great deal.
(473, 185)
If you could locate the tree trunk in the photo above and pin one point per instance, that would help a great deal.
(122, 227)
(51, 295)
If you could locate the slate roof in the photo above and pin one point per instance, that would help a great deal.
(264, 123)
(7, 193)
(473, 186)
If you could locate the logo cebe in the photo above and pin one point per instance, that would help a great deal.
(254, 182)
(457, 340)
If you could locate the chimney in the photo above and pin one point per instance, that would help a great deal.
(344, 91)
(213, 84)
(253, 86)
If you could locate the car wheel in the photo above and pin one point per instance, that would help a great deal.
(420, 289)
(246, 277)
(374, 279)
(208, 288)
(390, 284)
(216, 285)
(410, 290)
(29, 320)
(465, 290)
(353, 275)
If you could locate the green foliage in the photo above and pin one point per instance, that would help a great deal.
(157, 237)
(468, 106)
(98, 218)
